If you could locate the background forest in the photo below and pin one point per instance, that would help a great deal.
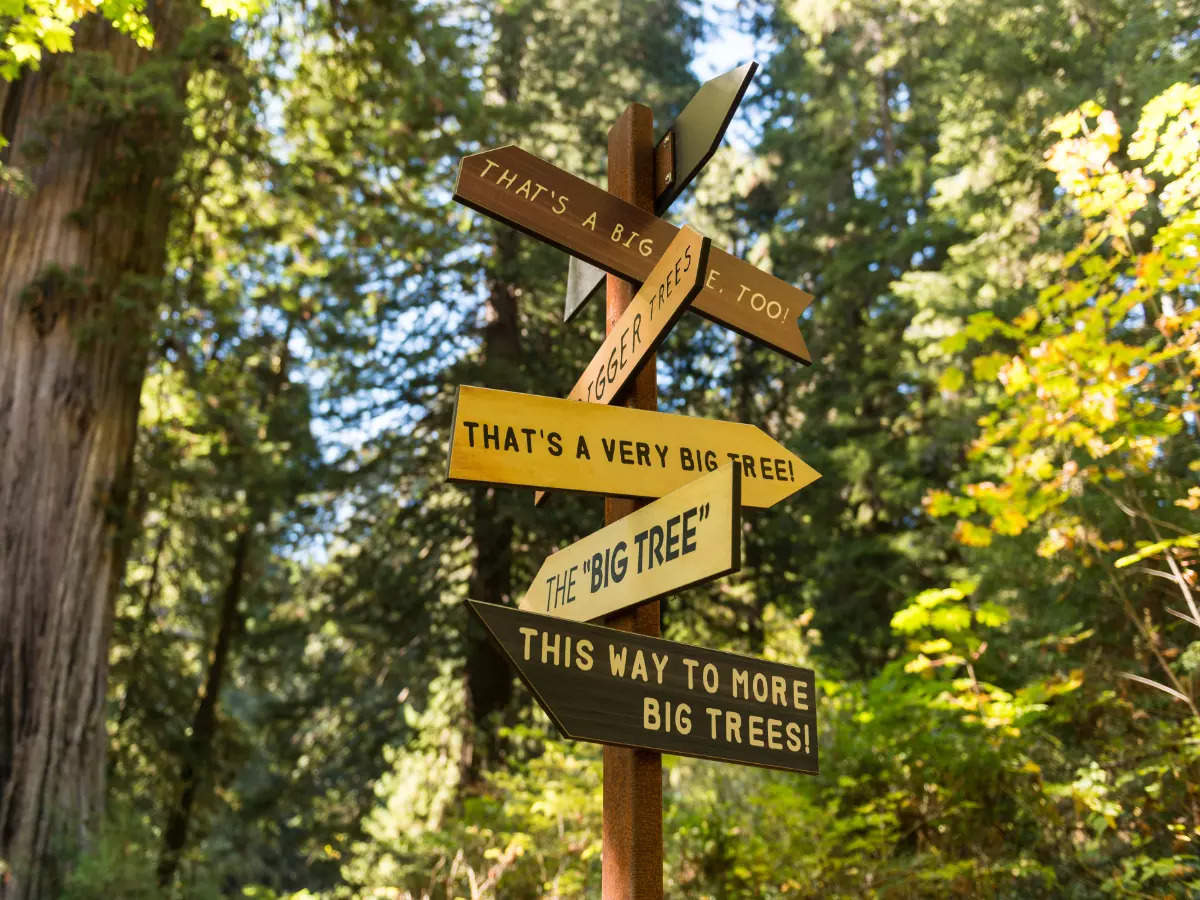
(234, 654)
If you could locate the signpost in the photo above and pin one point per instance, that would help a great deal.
(502, 437)
(678, 157)
(690, 536)
(530, 194)
(631, 855)
(613, 687)
(623, 686)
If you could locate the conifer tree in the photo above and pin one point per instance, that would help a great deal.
(92, 142)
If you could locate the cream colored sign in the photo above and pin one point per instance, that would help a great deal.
(689, 536)
(501, 437)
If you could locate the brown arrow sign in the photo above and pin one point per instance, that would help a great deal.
(530, 194)
(615, 687)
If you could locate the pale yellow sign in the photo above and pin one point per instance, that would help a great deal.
(689, 536)
(502, 437)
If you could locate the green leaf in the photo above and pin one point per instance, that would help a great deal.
(951, 618)
(986, 368)
(26, 52)
(992, 615)
(955, 343)
(56, 36)
(939, 503)
(964, 506)
(981, 326)
(951, 380)
(233, 9)
(910, 619)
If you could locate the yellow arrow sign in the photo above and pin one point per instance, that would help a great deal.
(501, 437)
(657, 305)
(690, 536)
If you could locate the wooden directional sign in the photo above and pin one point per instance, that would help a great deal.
(690, 536)
(679, 155)
(673, 282)
(616, 687)
(502, 437)
(542, 200)
(695, 135)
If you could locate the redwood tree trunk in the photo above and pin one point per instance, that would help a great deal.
(81, 261)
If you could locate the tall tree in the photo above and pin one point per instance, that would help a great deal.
(97, 136)
(290, 218)
(906, 196)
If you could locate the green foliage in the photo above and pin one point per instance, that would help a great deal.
(32, 27)
(120, 863)
(1004, 340)
(531, 829)
(1097, 406)
(1084, 440)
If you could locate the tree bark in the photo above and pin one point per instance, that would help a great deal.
(81, 258)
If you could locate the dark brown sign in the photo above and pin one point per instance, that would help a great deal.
(615, 687)
(678, 157)
(696, 133)
(530, 194)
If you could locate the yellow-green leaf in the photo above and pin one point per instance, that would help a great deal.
(951, 380)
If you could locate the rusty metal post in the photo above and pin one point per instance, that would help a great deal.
(632, 852)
